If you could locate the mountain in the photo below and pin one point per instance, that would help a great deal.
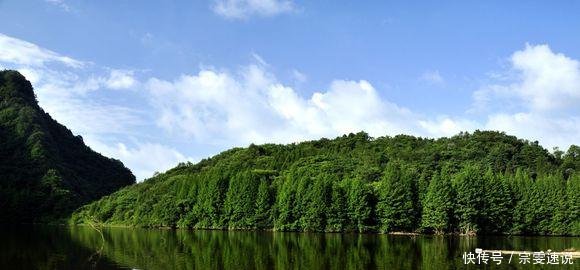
(45, 171)
(481, 183)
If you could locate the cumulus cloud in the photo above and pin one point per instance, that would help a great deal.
(241, 9)
(252, 106)
(536, 98)
(538, 79)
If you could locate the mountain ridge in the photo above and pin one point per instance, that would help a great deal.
(45, 170)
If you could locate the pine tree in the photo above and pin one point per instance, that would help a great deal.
(497, 204)
(395, 203)
(285, 203)
(469, 199)
(437, 206)
(521, 185)
(263, 215)
(556, 197)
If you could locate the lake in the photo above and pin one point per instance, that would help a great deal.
(55, 247)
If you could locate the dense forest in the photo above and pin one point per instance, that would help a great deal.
(45, 171)
(480, 183)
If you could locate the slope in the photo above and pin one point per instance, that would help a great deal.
(45, 171)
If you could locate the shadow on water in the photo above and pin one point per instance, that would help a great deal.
(46, 247)
(83, 248)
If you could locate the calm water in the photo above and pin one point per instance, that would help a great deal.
(51, 247)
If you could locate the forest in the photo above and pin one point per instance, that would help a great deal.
(46, 172)
(484, 182)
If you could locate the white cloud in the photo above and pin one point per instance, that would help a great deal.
(539, 79)
(63, 90)
(144, 159)
(537, 98)
(446, 126)
(87, 117)
(549, 131)
(549, 80)
(16, 51)
(120, 79)
(432, 77)
(251, 106)
(240, 9)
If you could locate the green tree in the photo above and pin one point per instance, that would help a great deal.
(285, 204)
(438, 206)
(337, 212)
(469, 199)
(395, 210)
(263, 208)
(359, 205)
(239, 205)
(522, 187)
(315, 214)
(497, 204)
(573, 195)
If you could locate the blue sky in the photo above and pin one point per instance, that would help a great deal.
(154, 83)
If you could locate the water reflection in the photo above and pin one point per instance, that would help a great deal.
(120, 248)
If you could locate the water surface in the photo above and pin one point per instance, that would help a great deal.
(54, 247)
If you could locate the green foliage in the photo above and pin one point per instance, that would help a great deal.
(573, 196)
(498, 203)
(263, 205)
(485, 182)
(45, 171)
(360, 210)
(337, 211)
(395, 209)
(438, 206)
(469, 196)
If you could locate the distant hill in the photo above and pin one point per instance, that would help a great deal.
(45, 171)
(485, 183)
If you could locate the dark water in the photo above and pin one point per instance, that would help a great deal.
(52, 247)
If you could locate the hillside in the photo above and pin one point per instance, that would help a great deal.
(485, 182)
(45, 171)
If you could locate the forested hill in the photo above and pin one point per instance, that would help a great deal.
(485, 182)
(45, 171)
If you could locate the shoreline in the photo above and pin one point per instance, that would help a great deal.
(413, 234)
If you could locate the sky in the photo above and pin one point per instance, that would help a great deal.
(155, 83)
